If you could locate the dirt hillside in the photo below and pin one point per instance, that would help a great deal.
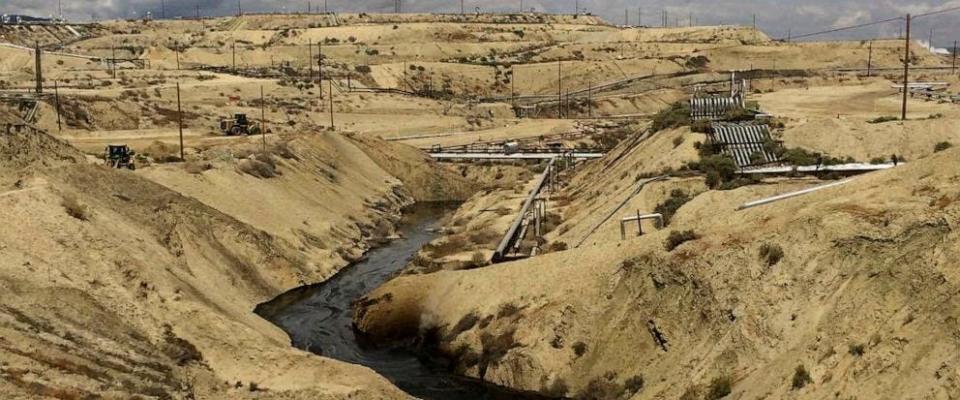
(854, 302)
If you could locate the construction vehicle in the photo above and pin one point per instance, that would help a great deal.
(119, 156)
(239, 125)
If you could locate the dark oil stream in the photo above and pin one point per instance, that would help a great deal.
(318, 318)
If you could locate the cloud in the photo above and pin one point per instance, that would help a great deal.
(776, 17)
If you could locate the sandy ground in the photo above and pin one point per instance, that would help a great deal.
(148, 290)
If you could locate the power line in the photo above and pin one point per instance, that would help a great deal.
(846, 28)
(944, 11)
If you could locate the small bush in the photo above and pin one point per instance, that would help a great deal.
(880, 120)
(719, 169)
(942, 146)
(579, 348)
(677, 238)
(771, 253)
(719, 388)
(478, 260)
(557, 246)
(670, 206)
(677, 141)
(507, 310)
(801, 377)
(678, 114)
(74, 208)
(856, 349)
(258, 169)
(634, 384)
(196, 167)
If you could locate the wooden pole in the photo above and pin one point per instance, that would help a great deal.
(906, 71)
(263, 121)
(180, 121)
(178, 55)
(113, 61)
(38, 67)
(870, 60)
(559, 89)
(330, 90)
(56, 94)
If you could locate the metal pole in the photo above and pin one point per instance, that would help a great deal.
(56, 94)
(870, 60)
(639, 224)
(906, 70)
(461, 7)
(180, 121)
(310, 58)
(113, 61)
(263, 121)
(163, 10)
(320, 66)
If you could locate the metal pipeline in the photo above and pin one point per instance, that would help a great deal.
(511, 237)
(639, 218)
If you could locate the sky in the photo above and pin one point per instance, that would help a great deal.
(778, 18)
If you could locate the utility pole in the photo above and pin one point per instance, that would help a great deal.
(56, 94)
(626, 17)
(309, 10)
(330, 90)
(690, 19)
(198, 11)
(461, 7)
(38, 67)
(324, 6)
(113, 61)
(639, 16)
(180, 121)
(870, 60)
(320, 65)
(239, 9)
(559, 89)
(906, 71)
(263, 121)
(163, 9)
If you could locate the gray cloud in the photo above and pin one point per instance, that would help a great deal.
(776, 17)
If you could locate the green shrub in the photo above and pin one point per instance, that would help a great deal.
(676, 238)
(719, 169)
(942, 146)
(801, 377)
(669, 207)
(771, 253)
(678, 114)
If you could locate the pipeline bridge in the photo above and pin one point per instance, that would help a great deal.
(508, 152)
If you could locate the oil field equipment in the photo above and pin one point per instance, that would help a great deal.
(119, 156)
(239, 125)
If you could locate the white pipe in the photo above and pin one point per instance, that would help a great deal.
(790, 195)
(623, 222)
